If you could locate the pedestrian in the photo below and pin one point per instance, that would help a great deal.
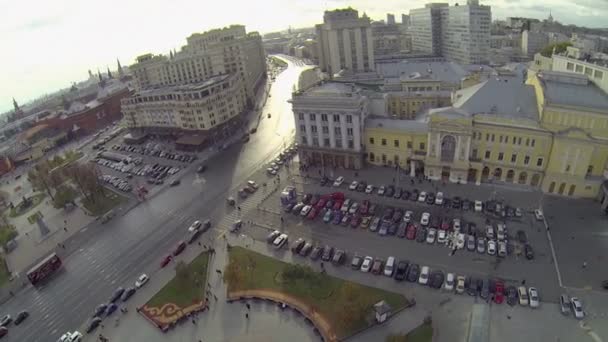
(523, 282)
(282, 219)
(199, 243)
(193, 321)
(239, 208)
(247, 315)
(215, 297)
(584, 264)
(218, 271)
(248, 306)
(65, 229)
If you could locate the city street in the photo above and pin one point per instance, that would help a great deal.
(113, 255)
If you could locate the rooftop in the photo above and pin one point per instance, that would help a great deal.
(406, 125)
(332, 89)
(506, 96)
(184, 87)
(435, 70)
(572, 92)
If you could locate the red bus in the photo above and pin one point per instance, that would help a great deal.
(44, 269)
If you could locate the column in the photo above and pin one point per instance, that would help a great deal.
(478, 177)
(412, 168)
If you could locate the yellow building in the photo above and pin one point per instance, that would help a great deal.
(546, 130)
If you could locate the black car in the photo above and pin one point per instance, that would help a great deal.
(316, 253)
(111, 308)
(305, 250)
(21, 316)
(479, 285)
(436, 279)
(390, 191)
(361, 186)
(470, 285)
(430, 198)
(398, 193)
(414, 196)
(328, 252)
(529, 252)
(484, 292)
(93, 324)
(116, 295)
(297, 245)
(355, 264)
(405, 195)
(456, 202)
(388, 214)
(466, 205)
(521, 236)
(472, 229)
(128, 293)
(99, 310)
(420, 234)
(325, 181)
(174, 182)
(339, 256)
(413, 271)
(401, 270)
(392, 229)
(511, 294)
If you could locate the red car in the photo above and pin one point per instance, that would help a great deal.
(338, 196)
(179, 248)
(321, 203)
(314, 200)
(338, 204)
(313, 213)
(410, 232)
(445, 224)
(499, 294)
(355, 221)
(166, 260)
(364, 207)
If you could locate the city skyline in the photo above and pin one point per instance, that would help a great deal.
(95, 36)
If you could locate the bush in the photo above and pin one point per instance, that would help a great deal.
(64, 195)
(7, 233)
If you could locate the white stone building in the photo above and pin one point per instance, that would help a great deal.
(345, 42)
(329, 124)
(193, 107)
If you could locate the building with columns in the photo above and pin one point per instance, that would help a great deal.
(547, 130)
(329, 121)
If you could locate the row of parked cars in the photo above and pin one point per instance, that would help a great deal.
(8, 319)
(284, 157)
(117, 182)
(429, 198)
(155, 150)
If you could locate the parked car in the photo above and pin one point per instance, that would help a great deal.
(460, 281)
(381, 190)
(375, 224)
(521, 236)
(338, 257)
(511, 292)
(166, 260)
(492, 247)
(450, 280)
(116, 294)
(538, 214)
(478, 206)
(442, 236)
(339, 181)
(128, 293)
(577, 308)
(366, 265)
(424, 220)
(529, 252)
(420, 234)
(564, 304)
(439, 198)
(355, 263)
(328, 253)
(410, 233)
(377, 266)
(389, 267)
(401, 270)
(316, 253)
(297, 245)
(431, 235)
(141, 280)
(304, 251)
(6, 320)
(93, 324)
(423, 279)
(369, 189)
(522, 293)
(534, 297)
(499, 291)
(353, 185)
(413, 272)
(422, 196)
(280, 241)
(471, 243)
(481, 245)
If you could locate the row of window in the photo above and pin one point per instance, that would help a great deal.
(505, 139)
(396, 143)
(501, 157)
(327, 142)
(324, 117)
(325, 130)
(585, 69)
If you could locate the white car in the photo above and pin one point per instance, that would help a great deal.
(460, 241)
(491, 247)
(539, 214)
(489, 232)
(366, 265)
(422, 196)
(424, 219)
(430, 237)
(369, 189)
(478, 206)
(194, 226)
(439, 198)
(381, 190)
(389, 267)
(305, 210)
(339, 181)
(353, 185)
(460, 281)
(577, 308)
(522, 293)
(424, 275)
(71, 337)
(534, 298)
(449, 282)
(502, 249)
(142, 280)
(408, 216)
(353, 208)
(456, 225)
(501, 232)
(280, 241)
(442, 236)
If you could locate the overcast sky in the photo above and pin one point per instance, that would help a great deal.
(45, 45)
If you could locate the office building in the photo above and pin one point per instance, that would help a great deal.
(532, 42)
(345, 42)
(390, 19)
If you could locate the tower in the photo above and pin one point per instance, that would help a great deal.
(120, 72)
(16, 105)
(109, 73)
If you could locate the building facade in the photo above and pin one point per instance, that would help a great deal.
(198, 106)
(215, 52)
(459, 33)
(345, 42)
(532, 42)
(329, 125)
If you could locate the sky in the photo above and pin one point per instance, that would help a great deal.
(47, 45)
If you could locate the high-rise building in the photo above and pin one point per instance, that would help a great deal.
(405, 20)
(459, 33)
(532, 42)
(215, 52)
(345, 42)
(390, 19)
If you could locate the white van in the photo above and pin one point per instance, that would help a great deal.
(389, 267)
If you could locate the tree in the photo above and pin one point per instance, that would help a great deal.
(547, 51)
(86, 179)
(42, 179)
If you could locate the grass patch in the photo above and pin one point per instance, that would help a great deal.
(102, 205)
(345, 304)
(7, 233)
(187, 287)
(422, 333)
(4, 273)
(19, 210)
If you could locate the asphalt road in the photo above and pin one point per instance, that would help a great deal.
(116, 253)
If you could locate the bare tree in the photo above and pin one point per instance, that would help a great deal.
(42, 179)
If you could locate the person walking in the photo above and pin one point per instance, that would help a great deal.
(247, 315)
(584, 264)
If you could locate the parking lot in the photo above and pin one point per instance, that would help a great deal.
(358, 235)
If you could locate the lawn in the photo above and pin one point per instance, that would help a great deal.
(422, 333)
(184, 291)
(104, 204)
(18, 210)
(4, 274)
(7, 233)
(346, 305)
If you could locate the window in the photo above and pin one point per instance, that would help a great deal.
(315, 142)
(313, 129)
(487, 136)
(326, 142)
(396, 142)
(351, 144)
(409, 144)
(589, 169)
(338, 143)
(337, 131)
(579, 68)
(527, 141)
(396, 159)
(474, 153)
(598, 74)
(492, 137)
(372, 157)
(384, 158)
(301, 116)
(303, 128)
(570, 66)
(513, 158)
(500, 139)
(325, 130)
(383, 142)
(514, 139)
(349, 131)
(371, 141)
(324, 117)
(518, 141)
(526, 160)
(336, 118)
(422, 147)
(488, 154)
(304, 142)
(349, 119)
(539, 161)
(533, 142)
(501, 156)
